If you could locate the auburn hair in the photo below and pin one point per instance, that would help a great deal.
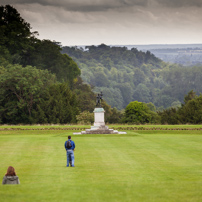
(10, 171)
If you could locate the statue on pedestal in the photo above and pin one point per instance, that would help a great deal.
(99, 126)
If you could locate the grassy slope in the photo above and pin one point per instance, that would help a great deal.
(140, 166)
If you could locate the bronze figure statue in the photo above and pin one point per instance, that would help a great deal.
(98, 101)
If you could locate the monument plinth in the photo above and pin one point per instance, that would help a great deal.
(99, 117)
(99, 121)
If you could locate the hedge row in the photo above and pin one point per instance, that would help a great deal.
(118, 128)
(155, 128)
(43, 128)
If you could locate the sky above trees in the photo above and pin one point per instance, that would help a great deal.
(113, 22)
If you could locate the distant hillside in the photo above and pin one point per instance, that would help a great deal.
(184, 54)
(162, 46)
(123, 75)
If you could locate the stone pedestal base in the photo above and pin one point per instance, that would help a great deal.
(99, 125)
(99, 118)
(99, 130)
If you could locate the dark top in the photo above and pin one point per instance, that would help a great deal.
(72, 145)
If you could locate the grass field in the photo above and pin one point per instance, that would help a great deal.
(140, 166)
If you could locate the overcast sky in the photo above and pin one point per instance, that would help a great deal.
(113, 22)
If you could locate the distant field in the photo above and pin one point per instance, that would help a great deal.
(140, 166)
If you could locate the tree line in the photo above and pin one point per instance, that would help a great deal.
(189, 112)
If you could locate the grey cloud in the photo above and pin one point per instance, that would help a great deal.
(180, 3)
(105, 5)
(83, 5)
(113, 21)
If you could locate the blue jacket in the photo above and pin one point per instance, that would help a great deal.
(72, 143)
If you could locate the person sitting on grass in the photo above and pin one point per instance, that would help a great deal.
(10, 177)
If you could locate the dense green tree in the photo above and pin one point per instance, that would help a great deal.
(60, 105)
(138, 112)
(169, 116)
(189, 112)
(116, 116)
(21, 88)
(15, 34)
(2, 70)
(5, 57)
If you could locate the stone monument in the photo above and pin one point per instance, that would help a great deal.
(99, 126)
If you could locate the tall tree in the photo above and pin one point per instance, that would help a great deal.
(60, 105)
(15, 32)
(21, 88)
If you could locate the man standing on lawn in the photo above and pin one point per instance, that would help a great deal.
(70, 148)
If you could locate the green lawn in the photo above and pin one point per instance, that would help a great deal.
(140, 166)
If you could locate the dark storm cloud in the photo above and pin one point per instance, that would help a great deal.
(83, 5)
(104, 5)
